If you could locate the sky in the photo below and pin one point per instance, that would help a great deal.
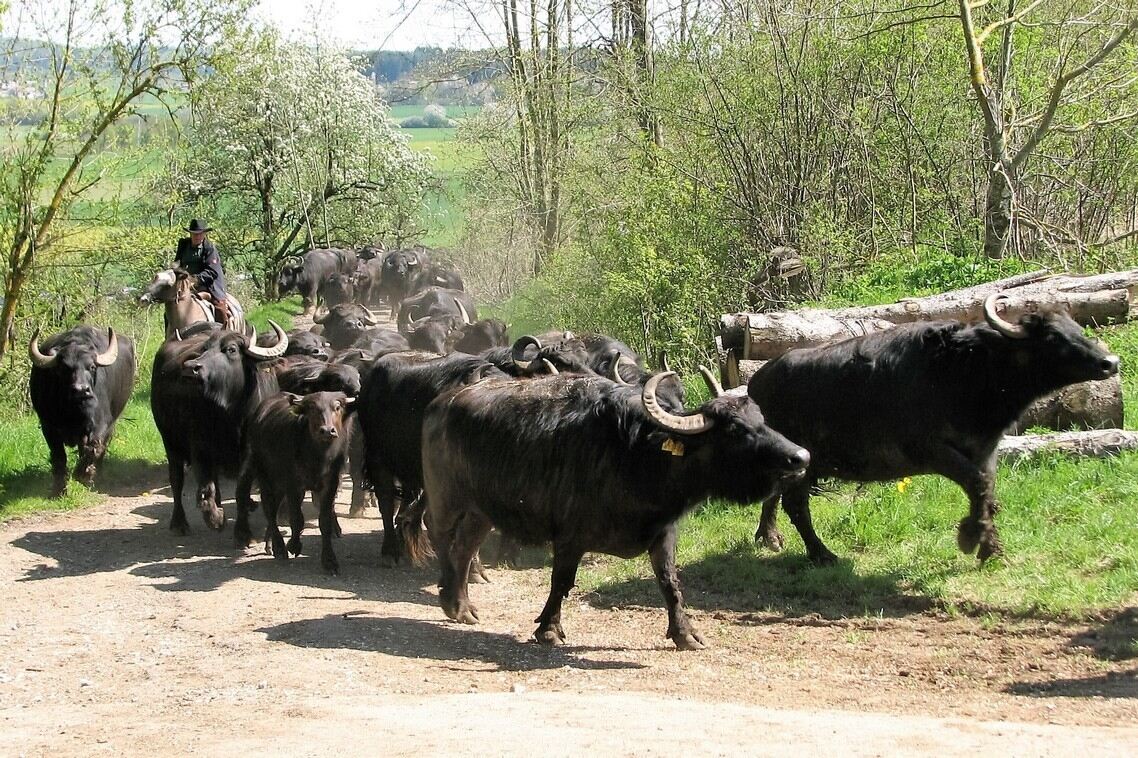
(374, 24)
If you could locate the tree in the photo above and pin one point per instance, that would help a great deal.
(1082, 47)
(290, 147)
(81, 68)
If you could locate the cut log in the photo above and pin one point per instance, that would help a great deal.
(1086, 405)
(1091, 300)
(1091, 444)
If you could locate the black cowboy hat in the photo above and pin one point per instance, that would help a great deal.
(197, 226)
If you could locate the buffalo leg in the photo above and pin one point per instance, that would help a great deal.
(384, 484)
(325, 497)
(209, 498)
(978, 482)
(177, 475)
(663, 557)
(768, 534)
(274, 542)
(242, 534)
(361, 497)
(509, 552)
(295, 520)
(469, 533)
(796, 503)
(564, 576)
(58, 456)
(90, 452)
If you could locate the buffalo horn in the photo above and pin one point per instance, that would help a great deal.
(518, 351)
(713, 385)
(264, 353)
(549, 367)
(111, 354)
(694, 424)
(617, 357)
(320, 315)
(39, 360)
(1006, 328)
(177, 335)
(664, 361)
(465, 315)
(371, 319)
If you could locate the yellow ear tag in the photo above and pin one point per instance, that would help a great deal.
(673, 446)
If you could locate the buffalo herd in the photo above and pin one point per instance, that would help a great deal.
(559, 439)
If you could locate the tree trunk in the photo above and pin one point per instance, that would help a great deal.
(1090, 444)
(13, 288)
(997, 214)
(1091, 300)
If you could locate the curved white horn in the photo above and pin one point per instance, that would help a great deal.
(694, 424)
(264, 353)
(111, 354)
(39, 360)
(1006, 328)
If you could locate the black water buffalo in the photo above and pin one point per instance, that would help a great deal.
(302, 375)
(609, 357)
(381, 341)
(590, 466)
(435, 301)
(300, 342)
(338, 288)
(368, 275)
(294, 444)
(444, 275)
(80, 382)
(431, 332)
(396, 391)
(201, 389)
(478, 337)
(922, 398)
(305, 273)
(344, 324)
(403, 273)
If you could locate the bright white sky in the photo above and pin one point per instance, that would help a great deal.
(374, 24)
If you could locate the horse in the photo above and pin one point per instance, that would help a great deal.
(184, 307)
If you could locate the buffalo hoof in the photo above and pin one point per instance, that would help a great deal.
(771, 539)
(179, 525)
(468, 615)
(968, 534)
(357, 511)
(294, 544)
(688, 641)
(823, 557)
(549, 634)
(477, 573)
(214, 519)
(276, 548)
(242, 538)
(388, 561)
(989, 546)
(330, 564)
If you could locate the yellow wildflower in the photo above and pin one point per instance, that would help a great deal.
(904, 484)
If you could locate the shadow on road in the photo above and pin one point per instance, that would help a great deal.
(1114, 684)
(441, 641)
(205, 560)
(786, 584)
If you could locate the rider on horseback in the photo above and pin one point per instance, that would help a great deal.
(198, 256)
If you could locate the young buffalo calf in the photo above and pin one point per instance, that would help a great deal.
(294, 444)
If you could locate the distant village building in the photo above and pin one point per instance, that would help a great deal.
(20, 90)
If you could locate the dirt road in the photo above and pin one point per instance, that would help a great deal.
(121, 637)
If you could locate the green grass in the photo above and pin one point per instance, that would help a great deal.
(135, 459)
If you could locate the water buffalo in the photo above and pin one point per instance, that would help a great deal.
(80, 382)
(922, 398)
(478, 337)
(403, 273)
(435, 301)
(201, 389)
(302, 375)
(338, 288)
(395, 391)
(344, 324)
(305, 273)
(294, 444)
(590, 466)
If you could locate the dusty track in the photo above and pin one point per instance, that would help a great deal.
(120, 637)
